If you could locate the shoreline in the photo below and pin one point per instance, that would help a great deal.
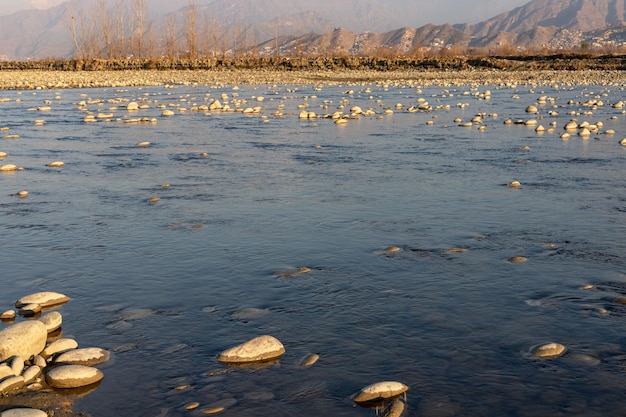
(29, 79)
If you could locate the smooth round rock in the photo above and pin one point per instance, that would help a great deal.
(11, 383)
(57, 346)
(5, 370)
(8, 167)
(73, 376)
(258, 349)
(52, 321)
(167, 113)
(31, 373)
(379, 391)
(86, 356)
(56, 164)
(549, 350)
(23, 339)
(44, 299)
(514, 184)
(30, 309)
(143, 144)
(517, 259)
(132, 106)
(8, 315)
(23, 412)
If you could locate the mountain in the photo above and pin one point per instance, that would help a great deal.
(270, 27)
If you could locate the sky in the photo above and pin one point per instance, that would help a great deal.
(437, 12)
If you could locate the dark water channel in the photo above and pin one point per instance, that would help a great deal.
(167, 286)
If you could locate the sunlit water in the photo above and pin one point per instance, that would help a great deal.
(167, 286)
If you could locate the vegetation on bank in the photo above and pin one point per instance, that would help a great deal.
(568, 62)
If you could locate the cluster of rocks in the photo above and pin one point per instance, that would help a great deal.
(33, 353)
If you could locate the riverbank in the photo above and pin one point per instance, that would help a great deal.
(442, 71)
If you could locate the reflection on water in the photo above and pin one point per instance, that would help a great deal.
(167, 285)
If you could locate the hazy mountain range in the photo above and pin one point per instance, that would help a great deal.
(327, 26)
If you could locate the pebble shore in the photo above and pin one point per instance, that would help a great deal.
(42, 79)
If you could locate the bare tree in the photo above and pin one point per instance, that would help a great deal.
(169, 35)
(190, 29)
(139, 13)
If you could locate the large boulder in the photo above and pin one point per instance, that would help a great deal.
(260, 348)
(44, 299)
(23, 339)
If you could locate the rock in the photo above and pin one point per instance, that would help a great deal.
(309, 360)
(11, 383)
(31, 373)
(73, 376)
(549, 350)
(85, 356)
(621, 142)
(167, 113)
(379, 391)
(39, 361)
(56, 164)
(44, 299)
(8, 167)
(58, 346)
(22, 194)
(394, 408)
(30, 310)
(514, 184)
(23, 412)
(8, 315)
(258, 349)
(52, 321)
(16, 363)
(5, 370)
(517, 259)
(143, 144)
(132, 106)
(571, 125)
(23, 339)
(531, 109)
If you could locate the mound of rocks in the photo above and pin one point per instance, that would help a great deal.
(32, 355)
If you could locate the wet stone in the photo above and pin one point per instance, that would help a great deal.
(44, 299)
(23, 339)
(548, 350)
(23, 412)
(73, 376)
(52, 321)
(58, 346)
(379, 391)
(258, 349)
(86, 356)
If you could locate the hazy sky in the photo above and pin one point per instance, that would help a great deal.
(432, 11)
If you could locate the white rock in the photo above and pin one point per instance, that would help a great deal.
(86, 356)
(60, 345)
(52, 321)
(23, 412)
(8, 167)
(531, 109)
(45, 299)
(132, 106)
(23, 339)
(56, 164)
(73, 376)
(379, 391)
(143, 144)
(167, 113)
(258, 349)
(39, 361)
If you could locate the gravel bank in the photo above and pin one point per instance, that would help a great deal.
(43, 79)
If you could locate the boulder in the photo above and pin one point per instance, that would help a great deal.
(44, 299)
(23, 412)
(52, 321)
(258, 349)
(31, 373)
(73, 376)
(379, 391)
(23, 339)
(548, 350)
(85, 356)
(11, 383)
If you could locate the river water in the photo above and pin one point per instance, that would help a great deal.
(167, 285)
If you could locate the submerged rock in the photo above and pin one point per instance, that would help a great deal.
(260, 348)
(379, 391)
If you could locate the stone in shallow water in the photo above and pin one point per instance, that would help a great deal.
(309, 359)
(44, 299)
(56, 164)
(30, 310)
(23, 339)
(57, 346)
(85, 356)
(73, 376)
(548, 350)
(7, 315)
(517, 259)
(23, 412)
(258, 349)
(379, 391)
(52, 321)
